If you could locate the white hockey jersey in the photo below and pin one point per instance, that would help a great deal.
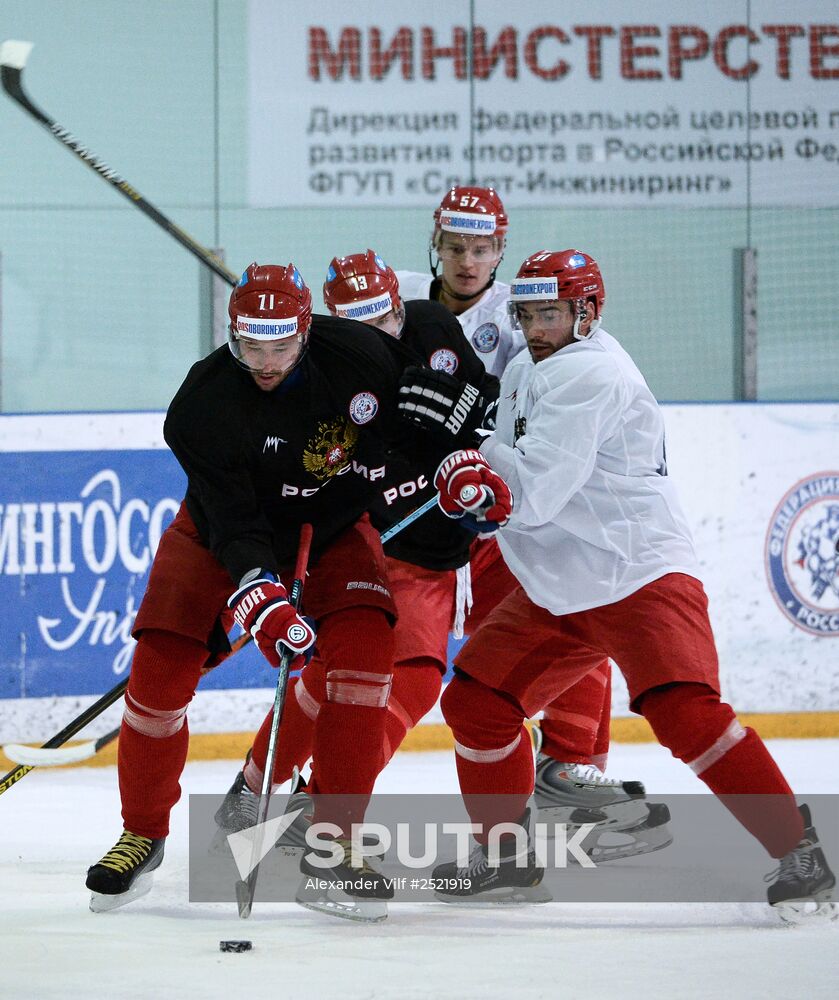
(580, 440)
(486, 324)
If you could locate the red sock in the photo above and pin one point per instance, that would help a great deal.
(357, 650)
(416, 687)
(154, 736)
(572, 722)
(296, 735)
(692, 722)
(492, 748)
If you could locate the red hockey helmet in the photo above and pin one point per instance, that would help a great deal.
(471, 211)
(559, 274)
(361, 286)
(271, 302)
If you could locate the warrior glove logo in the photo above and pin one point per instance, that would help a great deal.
(297, 634)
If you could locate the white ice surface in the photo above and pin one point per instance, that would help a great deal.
(57, 822)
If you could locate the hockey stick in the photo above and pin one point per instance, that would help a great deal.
(13, 56)
(68, 732)
(52, 754)
(394, 529)
(20, 753)
(246, 887)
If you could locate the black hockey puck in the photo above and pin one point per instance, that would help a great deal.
(235, 945)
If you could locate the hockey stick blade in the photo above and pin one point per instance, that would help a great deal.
(67, 733)
(20, 753)
(8, 781)
(13, 56)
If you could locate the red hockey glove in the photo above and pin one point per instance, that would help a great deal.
(473, 492)
(262, 608)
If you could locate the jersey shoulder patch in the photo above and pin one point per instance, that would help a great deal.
(363, 407)
(444, 360)
(485, 338)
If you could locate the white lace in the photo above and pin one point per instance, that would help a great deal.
(462, 600)
(591, 775)
(247, 804)
(798, 864)
(478, 862)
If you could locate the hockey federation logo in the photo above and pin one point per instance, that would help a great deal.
(444, 360)
(485, 338)
(802, 554)
(363, 407)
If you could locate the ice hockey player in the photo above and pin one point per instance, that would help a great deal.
(575, 475)
(467, 245)
(290, 423)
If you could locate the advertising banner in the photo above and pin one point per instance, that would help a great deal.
(83, 503)
(598, 104)
(85, 498)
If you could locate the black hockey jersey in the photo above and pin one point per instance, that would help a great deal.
(433, 541)
(259, 464)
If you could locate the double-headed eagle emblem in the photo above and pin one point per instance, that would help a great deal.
(331, 448)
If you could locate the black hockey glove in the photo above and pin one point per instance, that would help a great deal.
(437, 401)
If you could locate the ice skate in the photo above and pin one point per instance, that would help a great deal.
(125, 873)
(239, 809)
(347, 889)
(478, 883)
(574, 794)
(515, 879)
(803, 883)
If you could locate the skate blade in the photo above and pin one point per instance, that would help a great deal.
(643, 841)
(625, 815)
(794, 913)
(508, 896)
(813, 909)
(100, 902)
(335, 903)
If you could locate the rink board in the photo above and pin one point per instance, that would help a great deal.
(84, 498)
